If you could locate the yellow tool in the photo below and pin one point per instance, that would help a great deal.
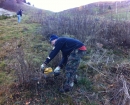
(48, 72)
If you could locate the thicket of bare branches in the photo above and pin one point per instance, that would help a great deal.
(110, 78)
(101, 34)
(25, 70)
(105, 68)
(89, 29)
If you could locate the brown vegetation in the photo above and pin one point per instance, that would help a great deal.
(103, 73)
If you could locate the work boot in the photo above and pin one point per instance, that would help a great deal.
(56, 74)
(61, 90)
(66, 88)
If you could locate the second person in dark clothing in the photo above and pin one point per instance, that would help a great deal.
(72, 50)
(19, 15)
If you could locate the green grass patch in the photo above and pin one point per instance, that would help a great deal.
(5, 78)
(2, 65)
(2, 17)
(86, 83)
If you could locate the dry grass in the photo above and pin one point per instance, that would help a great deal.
(103, 72)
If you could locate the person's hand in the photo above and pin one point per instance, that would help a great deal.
(43, 67)
(57, 71)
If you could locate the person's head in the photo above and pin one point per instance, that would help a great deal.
(53, 39)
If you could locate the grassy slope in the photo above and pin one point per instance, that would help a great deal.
(12, 35)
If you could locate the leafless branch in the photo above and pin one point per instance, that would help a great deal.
(96, 69)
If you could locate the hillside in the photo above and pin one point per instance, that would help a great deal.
(103, 75)
(109, 10)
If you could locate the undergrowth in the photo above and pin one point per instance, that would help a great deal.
(103, 74)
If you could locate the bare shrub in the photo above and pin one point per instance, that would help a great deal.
(25, 71)
(115, 34)
(110, 79)
(88, 29)
(80, 26)
(119, 91)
